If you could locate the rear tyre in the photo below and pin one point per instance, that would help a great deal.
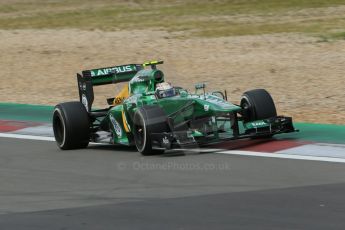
(71, 125)
(147, 120)
(258, 105)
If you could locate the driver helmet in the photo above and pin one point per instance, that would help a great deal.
(164, 90)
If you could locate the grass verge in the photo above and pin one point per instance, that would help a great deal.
(194, 18)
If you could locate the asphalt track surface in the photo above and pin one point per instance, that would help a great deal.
(105, 187)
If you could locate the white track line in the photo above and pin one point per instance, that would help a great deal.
(282, 155)
(28, 137)
(37, 138)
(230, 152)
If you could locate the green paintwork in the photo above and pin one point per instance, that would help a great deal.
(142, 86)
(209, 106)
(144, 81)
(255, 124)
(328, 133)
(117, 126)
(113, 74)
(142, 92)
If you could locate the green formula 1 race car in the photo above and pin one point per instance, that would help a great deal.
(155, 116)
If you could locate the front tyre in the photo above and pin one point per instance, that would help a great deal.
(258, 105)
(71, 125)
(147, 120)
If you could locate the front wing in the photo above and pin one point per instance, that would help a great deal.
(191, 138)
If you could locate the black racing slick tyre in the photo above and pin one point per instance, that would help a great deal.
(71, 125)
(147, 120)
(257, 104)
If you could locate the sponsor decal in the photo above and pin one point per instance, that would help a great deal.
(116, 70)
(206, 107)
(259, 123)
(139, 79)
(166, 143)
(82, 86)
(218, 101)
(84, 102)
(116, 126)
(165, 140)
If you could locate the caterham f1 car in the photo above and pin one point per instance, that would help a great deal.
(155, 116)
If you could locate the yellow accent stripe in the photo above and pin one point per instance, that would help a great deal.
(124, 121)
(152, 63)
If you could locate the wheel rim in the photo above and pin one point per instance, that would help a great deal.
(140, 134)
(245, 104)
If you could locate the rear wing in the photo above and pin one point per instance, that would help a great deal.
(114, 74)
(107, 75)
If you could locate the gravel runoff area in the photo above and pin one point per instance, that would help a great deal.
(304, 75)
